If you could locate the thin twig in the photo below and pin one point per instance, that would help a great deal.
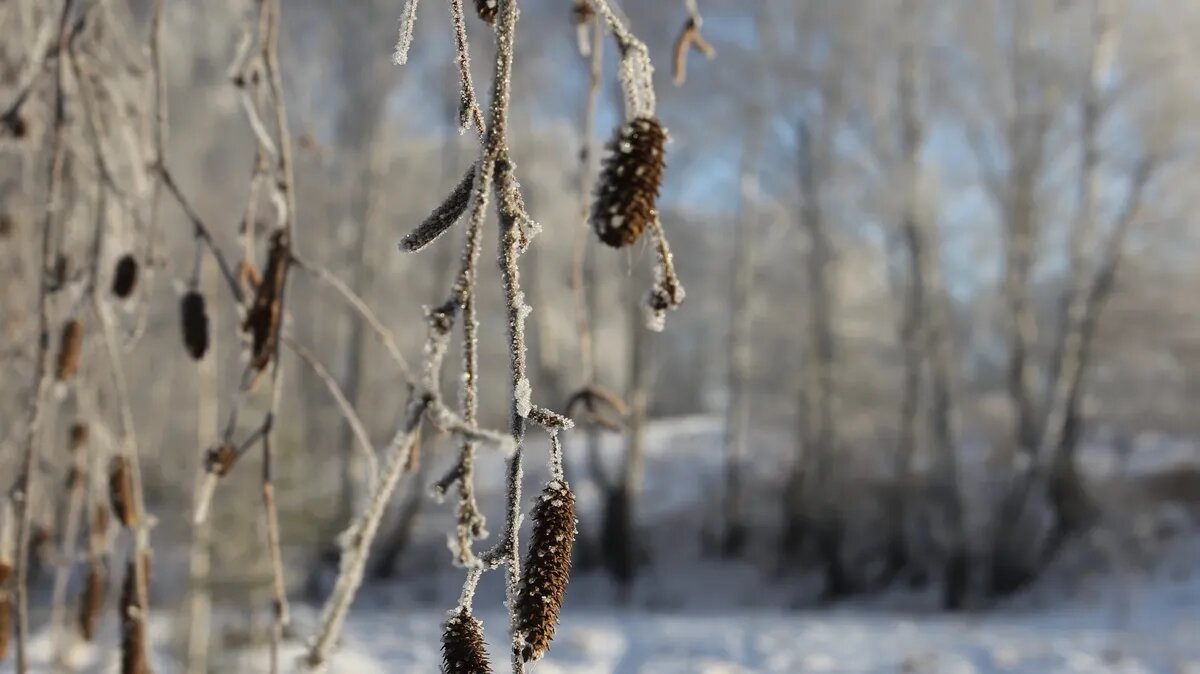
(358, 304)
(356, 425)
(42, 361)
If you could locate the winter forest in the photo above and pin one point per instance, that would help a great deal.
(599, 336)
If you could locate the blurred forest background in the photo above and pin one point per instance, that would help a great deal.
(939, 258)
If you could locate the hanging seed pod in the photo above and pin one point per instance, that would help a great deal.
(68, 350)
(6, 225)
(689, 39)
(487, 10)
(125, 276)
(5, 571)
(120, 491)
(463, 650)
(99, 522)
(547, 569)
(195, 324)
(133, 627)
(5, 623)
(627, 191)
(443, 217)
(40, 539)
(59, 272)
(91, 601)
(263, 318)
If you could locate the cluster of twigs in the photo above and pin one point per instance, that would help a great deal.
(626, 200)
(629, 187)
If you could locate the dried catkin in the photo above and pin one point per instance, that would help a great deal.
(120, 491)
(5, 623)
(689, 38)
(195, 324)
(463, 651)
(125, 276)
(91, 600)
(627, 191)
(79, 435)
(263, 318)
(133, 628)
(487, 10)
(442, 217)
(547, 569)
(68, 350)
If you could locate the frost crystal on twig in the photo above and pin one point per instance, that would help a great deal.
(547, 569)
(627, 192)
(408, 21)
(442, 217)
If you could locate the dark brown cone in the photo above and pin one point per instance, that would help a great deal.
(487, 10)
(263, 318)
(125, 276)
(91, 601)
(59, 272)
(6, 225)
(79, 435)
(195, 324)
(120, 491)
(68, 350)
(133, 628)
(219, 460)
(100, 521)
(463, 651)
(630, 178)
(5, 571)
(547, 569)
(5, 623)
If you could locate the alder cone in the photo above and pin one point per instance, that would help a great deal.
(68, 350)
(487, 10)
(120, 491)
(5, 623)
(90, 602)
(262, 320)
(194, 318)
(630, 178)
(125, 276)
(78, 435)
(463, 651)
(133, 626)
(547, 569)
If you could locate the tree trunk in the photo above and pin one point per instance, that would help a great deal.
(819, 384)
(737, 413)
(619, 541)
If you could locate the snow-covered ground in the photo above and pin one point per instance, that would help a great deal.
(1105, 607)
(1162, 636)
